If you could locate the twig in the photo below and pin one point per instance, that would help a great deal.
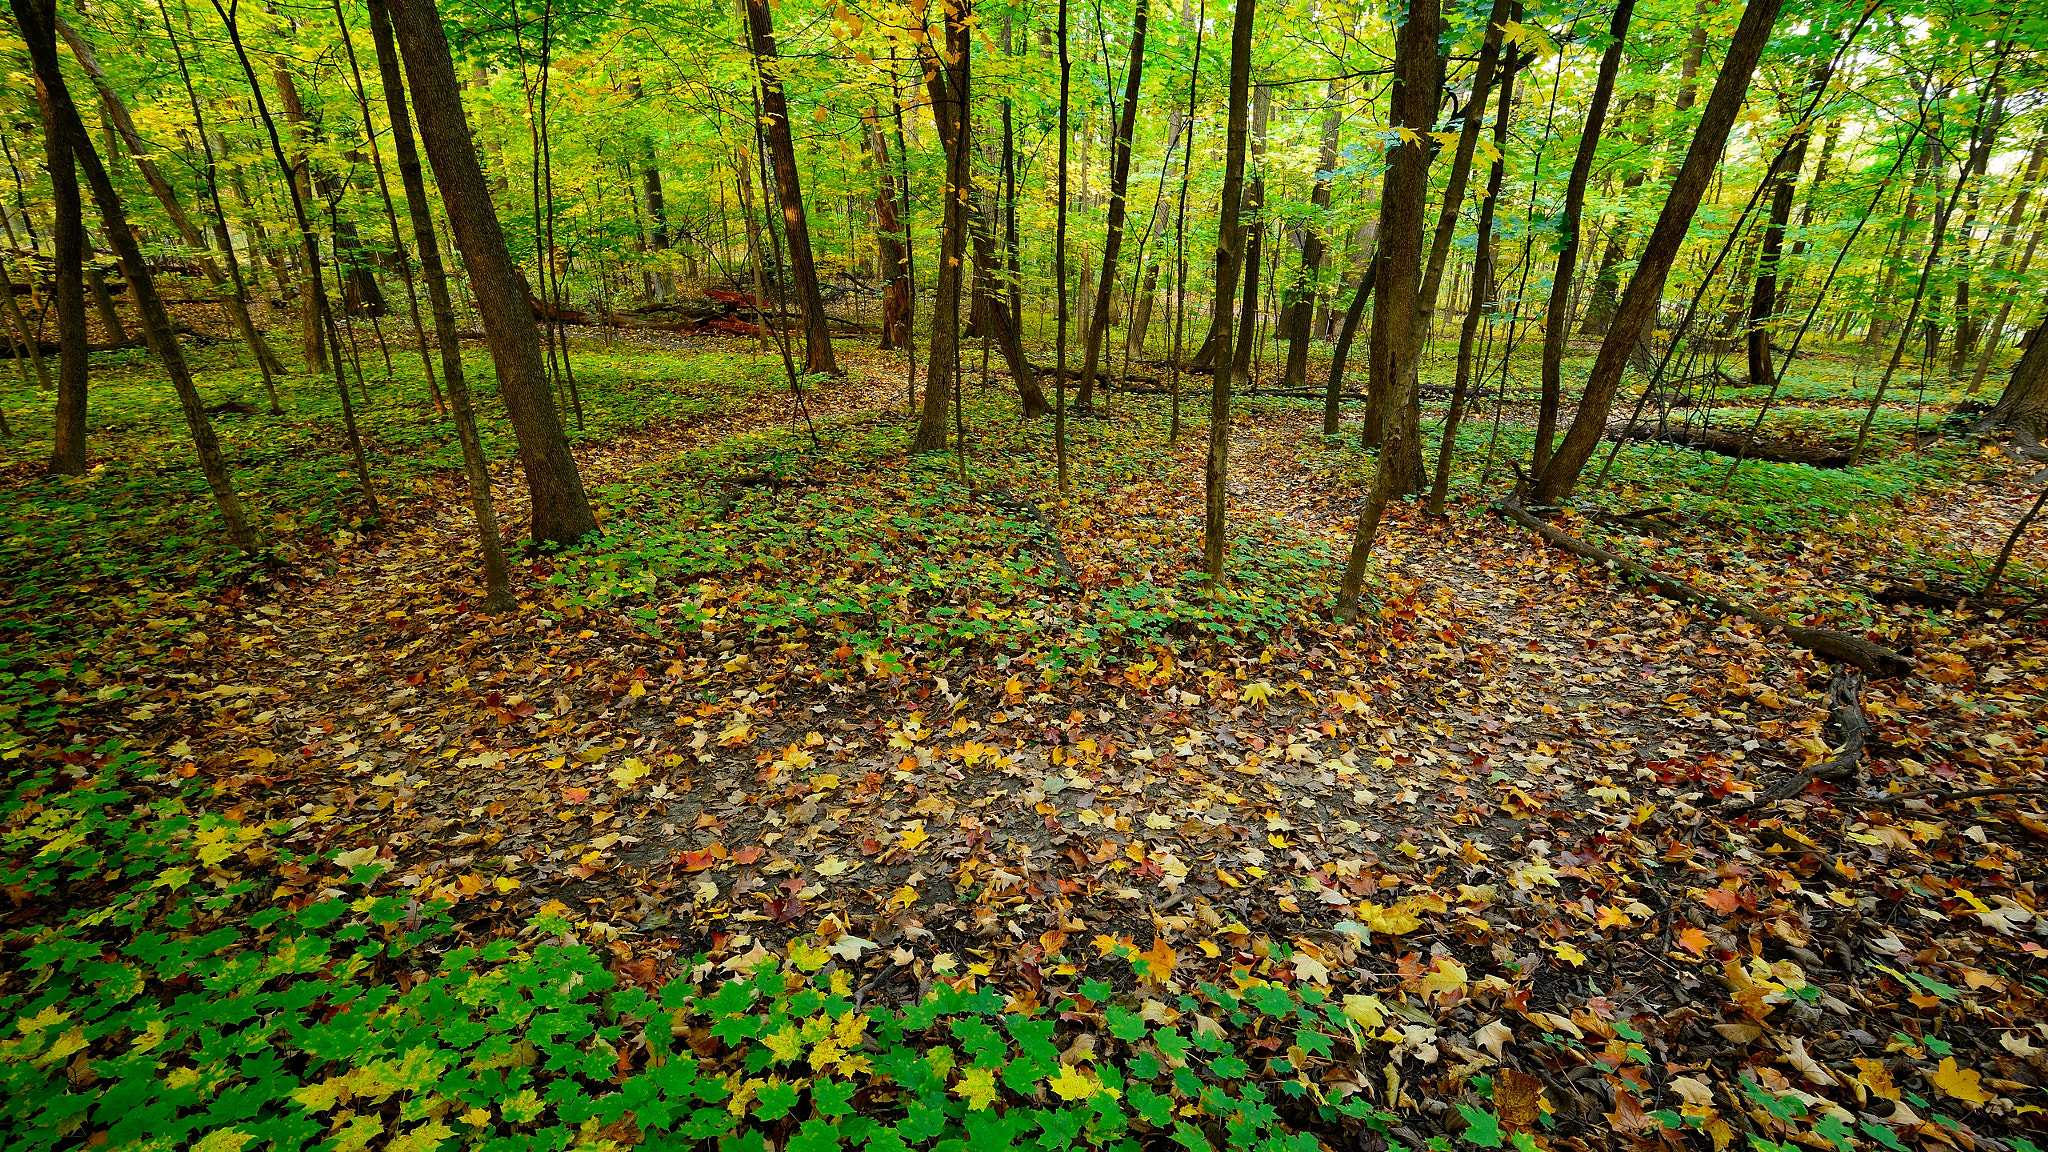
(1845, 707)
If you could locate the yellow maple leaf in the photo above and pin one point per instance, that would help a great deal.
(1612, 917)
(1257, 692)
(1447, 977)
(1569, 955)
(1075, 1083)
(784, 1044)
(625, 775)
(977, 1086)
(1960, 1083)
(1393, 921)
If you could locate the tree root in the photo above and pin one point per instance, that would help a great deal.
(1845, 706)
(1001, 496)
(1875, 659)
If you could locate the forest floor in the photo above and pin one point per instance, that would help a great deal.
(811, 693)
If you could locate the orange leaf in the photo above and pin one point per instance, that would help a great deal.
(1721, 900)
(1695, 941)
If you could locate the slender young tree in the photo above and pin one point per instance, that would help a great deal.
(1302, 293)
(1483, 275)
(889, 240)
(1229, 257)
(475, 466)
(1059, 260)
(38, 32)
(1119, 184)
(1557, 316)
(803, 271)
(951, 72)
(1418, 75)
(1638, 304)
(67, 234)
(561, 511)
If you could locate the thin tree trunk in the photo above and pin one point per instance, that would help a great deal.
(889, 237)
(1119, 185)
(1229, 254)
(1557, 317)
(1059, 263)
(561, 511)
(312, 339)
(2019, 273)
(1252, 221)
(31, 346)
(1965, 323)
(1784, 180)
(1333, 392)
(951, 73)
(67, 232)
(1483, 264)
(1302, 296)
(412, 300)
(1607, 281)
(1412, 103)
(1638, 305)
(795, 226)
(103, 303)
(475, 466)
(62, 120)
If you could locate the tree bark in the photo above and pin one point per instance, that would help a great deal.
(1418, 75)
(1966, 325)
(561, 511)
(63, 121)
(889, 240)
(67, 232)
(2019, 271)
(1607, 281)
(1557, 316)
(475, 466)
(1334, 389)
(795, 225)
(1119, 186)
(1302, 295)
(951, 73)
(1229, 252)
(2024, 404)
(1252, 221)
(1638, 305)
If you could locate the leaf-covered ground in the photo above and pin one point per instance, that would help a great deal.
(810, 699)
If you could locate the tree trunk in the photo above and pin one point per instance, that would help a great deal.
(1334, 390)
(476, 468)
(889, 241)
(657, 219)
(1412, 103)
(1607, 280)
(1783, 179)
(1557, 316)
(1638, 306)
(1482, 271)
(1252, 223)
(67, 232)
(62, 120)
(950, 74)
(1229, 250)
(1302, 295)
(2025, 401)
(1965, 323)
(795, 227)
(103, 303)
(561, 511)
(1119, 185)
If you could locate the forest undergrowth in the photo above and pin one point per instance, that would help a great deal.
(1010, 831)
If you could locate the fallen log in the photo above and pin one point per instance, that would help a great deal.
(1845, 708)
(1841, 647)
(1722, 442)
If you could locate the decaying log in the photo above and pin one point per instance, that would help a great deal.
(1722, 442)
(1875, 659)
